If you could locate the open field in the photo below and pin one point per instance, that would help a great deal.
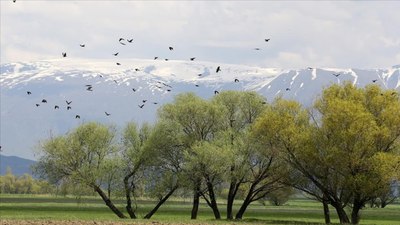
(25, 209)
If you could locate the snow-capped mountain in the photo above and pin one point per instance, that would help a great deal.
(133, 90)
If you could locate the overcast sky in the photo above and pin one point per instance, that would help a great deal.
(362, 34)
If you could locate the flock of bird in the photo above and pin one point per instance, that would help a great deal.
(160, 85)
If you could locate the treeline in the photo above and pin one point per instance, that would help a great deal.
(344, 151)
(25, 184)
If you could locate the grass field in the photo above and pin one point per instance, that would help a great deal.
(16, 208)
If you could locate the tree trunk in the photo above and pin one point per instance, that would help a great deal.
(343, 218)
(326, 211)
(355, 212)
(162, 200)
(213, 200)
(109, 202)
(230, 200)
(239, 214)
(196, 200)
(128, 197)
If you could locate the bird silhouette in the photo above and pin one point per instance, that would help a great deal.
(129, 40)
(236, 80)
(122, 43)
(166, 59)
(197, 85)
(115, 81)
(14, 1)
(171, 48)
(168, 90)
(121, 39)
(216, 92)
(89, 88)
(82, 45)
(287, 89)
(266, 40)
(218, 69)
(115, 54)
(107, 114)
(144, 101)
(56, 107)
(118, 64)
(68, 102)
(199, 74)
(141, 106)
(44, 101)
(257, 49)
(310, 68)
(133, 89)
(68, 107)
(137, 69)
(155, 57)
(155, 103)
(374, 81)
(37, 105)
(77, 117)
(336, 74)
(64, 54)
(191, 59)
(28, 93)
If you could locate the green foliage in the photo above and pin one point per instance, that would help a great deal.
(24, 184)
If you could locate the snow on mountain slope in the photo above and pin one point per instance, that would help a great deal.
(121, 89)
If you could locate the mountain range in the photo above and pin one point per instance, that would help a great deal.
(46, 98)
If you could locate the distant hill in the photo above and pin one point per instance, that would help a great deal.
(19, 166)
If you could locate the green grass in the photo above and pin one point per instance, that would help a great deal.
(297, 211)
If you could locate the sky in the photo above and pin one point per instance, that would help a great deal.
(342, 34)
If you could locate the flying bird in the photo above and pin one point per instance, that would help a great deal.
(155, 57)
(82, 45)
(374, 81)
(44, 101)
(199, 74)
(310, 68)
(122, 43)
(216, 92)
(171, 48)
(141, 106)
(137, 69)
(191, 59)
(336, 74)
(218, 69)
(144, 101)
(197, 85)
(77, 117)
(118, 64)
(68, 102)
(129, 40)
(121, 39)
(68, 107)
(257, 49)
(133, 89)
(168, 90)
(56, 107)
(64, 54)
(236, 80)
(37, 105)
(166, 59)
(287, 89)
(155, 103)
(107, 114)
(28, 93)
(14, 1)
(89, 88)
(115, 81)
(266, 40)
(115, 54)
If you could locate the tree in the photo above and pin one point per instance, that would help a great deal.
(361, 127)
(79, 156)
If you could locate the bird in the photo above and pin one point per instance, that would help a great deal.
(236, 80)
(266, 40)
(68, 107)
(44, 101)
(155, 57)
(155, 103)
(216, 92)
(89, 88)
(166, 59)
(122, 43)
(28, 93)
(107, 114)
(115, 81)
(133, 89)
(14, 1)
(168, 90)
(374, 81)
(137, 69)
(257, 49)
(310, 68)
(199, 74)
(115, 54)
(56, 107)
(287, 89)
(121, 39)
(77, 117)
(82, 45)
(37, 105)
(68, 102)
(197, 85)
(144, 101)
(171, 48)
(129, 40)
(118, 64)
(336, 74)
(191, 59)
(141, 106)
(64, 54)
(218, 69)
